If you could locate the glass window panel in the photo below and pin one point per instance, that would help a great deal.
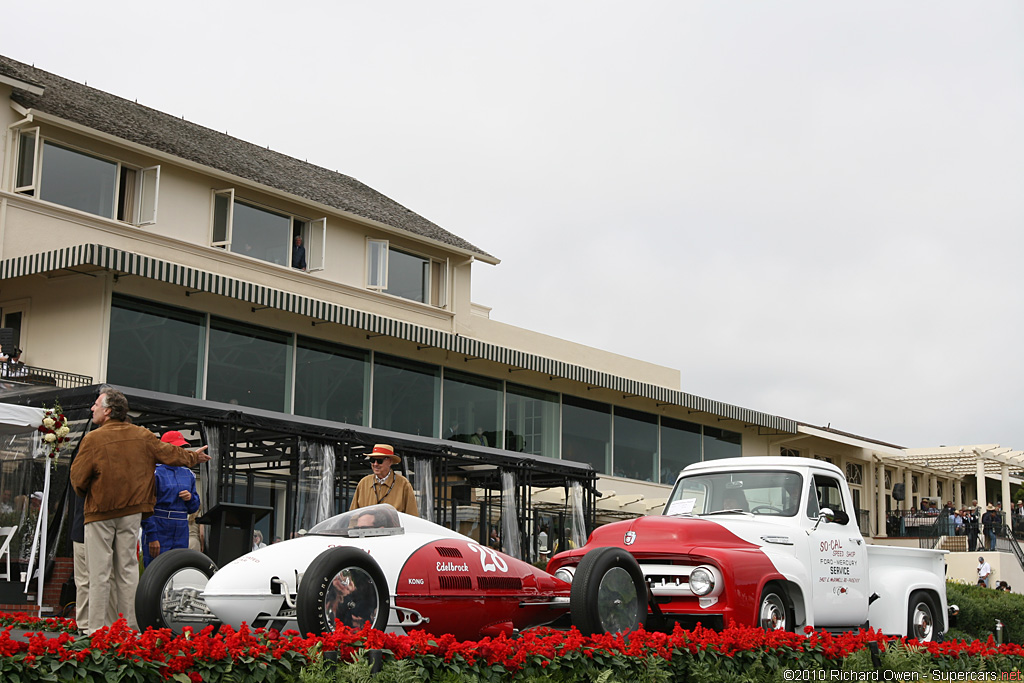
(155, 347)
(376, 264)
(531, 421)
(721, 443)
(405, 396)
(248, 365)
(260, 234)
(408, 275)
(221, 211)
(636, 445)
(79, 181)
(587, 432)
(472, 409)
(680, 446)
(332, 382)
(13, 321)
(26, 158)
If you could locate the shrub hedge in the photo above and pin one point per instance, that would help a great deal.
(980, 608)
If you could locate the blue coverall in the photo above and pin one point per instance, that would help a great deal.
(169, 522)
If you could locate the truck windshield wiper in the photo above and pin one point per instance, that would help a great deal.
(735, 511)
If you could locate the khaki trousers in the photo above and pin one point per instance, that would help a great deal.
(110, 549)
(82, 591)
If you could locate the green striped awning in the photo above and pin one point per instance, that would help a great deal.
(259, 295)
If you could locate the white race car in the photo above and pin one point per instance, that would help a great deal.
(371, 565)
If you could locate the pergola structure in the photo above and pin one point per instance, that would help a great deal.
(981, 461)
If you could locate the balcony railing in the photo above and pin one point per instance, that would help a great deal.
(21, 374)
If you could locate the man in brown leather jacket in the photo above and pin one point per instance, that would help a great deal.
(113, 471)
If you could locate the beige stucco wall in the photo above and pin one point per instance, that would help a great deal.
(65, 320)
(964, 567)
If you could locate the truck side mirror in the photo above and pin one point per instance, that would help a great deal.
(827, 515)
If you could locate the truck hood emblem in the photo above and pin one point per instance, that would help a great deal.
(630, 538)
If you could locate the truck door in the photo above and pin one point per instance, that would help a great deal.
(838, 558)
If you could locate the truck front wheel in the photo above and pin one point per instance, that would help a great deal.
(921, 617)
(774, 614)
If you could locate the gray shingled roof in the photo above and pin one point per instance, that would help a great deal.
(145, 126)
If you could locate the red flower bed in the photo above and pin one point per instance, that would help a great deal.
(55, 653)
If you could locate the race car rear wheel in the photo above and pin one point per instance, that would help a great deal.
(168, 595)
(608, 593)
(774, 613)
(922, 617)
(345, 585)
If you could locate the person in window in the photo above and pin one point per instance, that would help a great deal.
(384, 485)
(257, 540)
(299, 254)
(479, 438)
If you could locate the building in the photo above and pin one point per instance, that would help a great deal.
(149, 252)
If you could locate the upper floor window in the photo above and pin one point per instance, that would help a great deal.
(247, 228)
(405, 274)
(80, 180)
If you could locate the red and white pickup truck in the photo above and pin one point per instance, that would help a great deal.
(762, 541)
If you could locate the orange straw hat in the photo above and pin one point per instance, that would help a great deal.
(385, 450)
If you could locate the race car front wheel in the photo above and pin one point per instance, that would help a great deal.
(608, 593)
(169, 591)
(343, 585)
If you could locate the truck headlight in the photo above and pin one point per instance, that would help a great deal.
(702, 581)
(565, 574)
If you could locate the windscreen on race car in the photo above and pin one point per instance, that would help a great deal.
(373, 520)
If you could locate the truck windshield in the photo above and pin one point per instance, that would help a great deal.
(756, 492)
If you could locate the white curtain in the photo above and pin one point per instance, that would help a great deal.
(423, 485)
(577, 522)
(510, 535)
(316, 483)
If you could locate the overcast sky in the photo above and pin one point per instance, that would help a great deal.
(812, 209)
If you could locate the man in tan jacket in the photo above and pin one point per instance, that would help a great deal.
(385, 485)
(114, 472)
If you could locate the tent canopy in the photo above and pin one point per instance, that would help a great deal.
(19, 419)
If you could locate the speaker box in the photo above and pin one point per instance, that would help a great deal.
(899, 491)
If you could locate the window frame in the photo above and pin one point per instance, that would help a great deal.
(378, 260)
(29, 189)
(310, 239)
(309, 230)
(139, 216)
(377, 255)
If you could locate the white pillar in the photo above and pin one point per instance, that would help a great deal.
(981, 484)
(933, 487)
(958, 499)
(908, 484)
(880, 499)
(1004, 472)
